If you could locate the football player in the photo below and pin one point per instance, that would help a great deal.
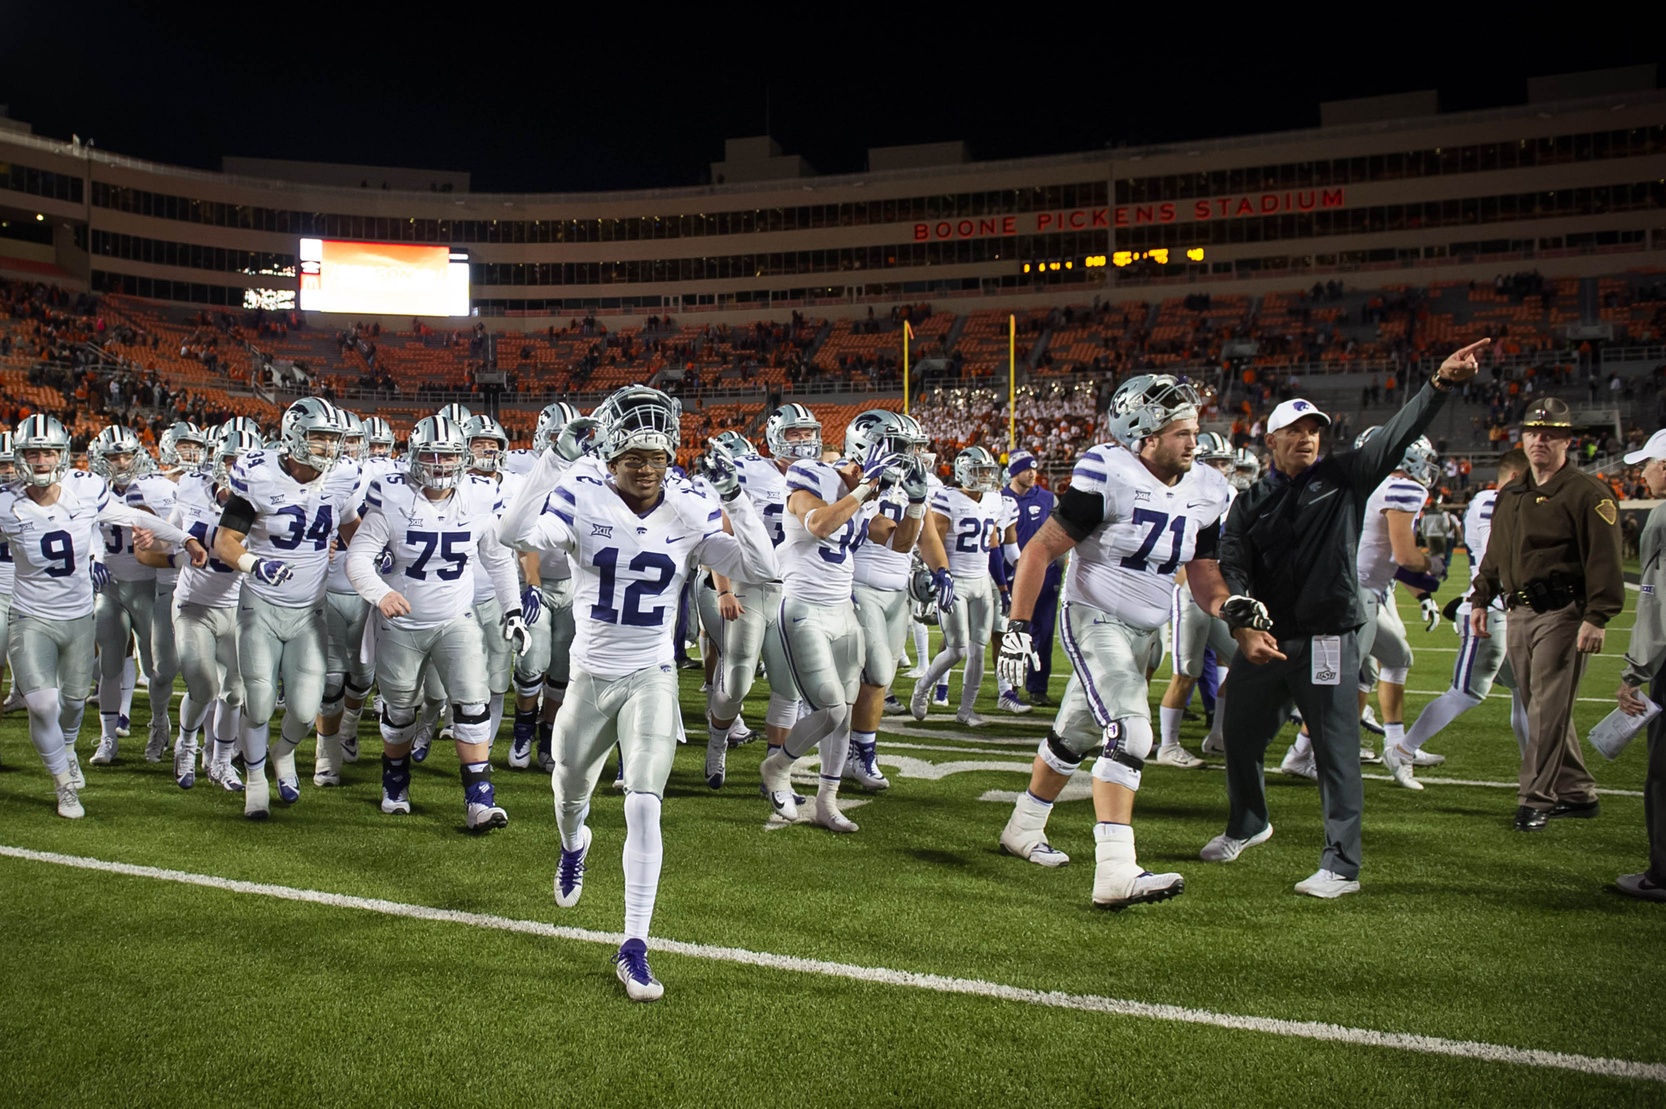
(50, 517)
(817, 625)
(883, 563)
(378, 438)
(488, 444)
(126, 610)
(8, 475)
(632, 537)
(1132, 516)
(436, 520)
(277, 527)
(971, 521)
(545, 667)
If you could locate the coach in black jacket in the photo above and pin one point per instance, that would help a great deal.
(1290, 543)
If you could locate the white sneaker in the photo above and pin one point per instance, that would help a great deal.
(224, 773)
(1223, 848)
(739, 733)
(106, 753)
(1038, 851)
(1118, 884)
(483, 818)
(289, 780)
(1426, 758)
(1176, 755)
(970, 719)
(69, 804)
(829, 816)
(1327, 884)
(1299, 765)
(919, 702)
(778, 788)
(569, 873)
(1213, 744)
(257, 797)
(717, 759)
(1398, 763)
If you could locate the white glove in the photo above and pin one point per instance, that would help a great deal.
(516, 633)
(1018, 653)
(1430, 610)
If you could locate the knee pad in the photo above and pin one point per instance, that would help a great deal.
(397, 724)
(1059, 758)
(1127, 742)
(554, 690)
(472, 722)
(335, 688)
(1394, 675)
(356, 690)
(782, 711)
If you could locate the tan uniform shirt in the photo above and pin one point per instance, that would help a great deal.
(1568, 526)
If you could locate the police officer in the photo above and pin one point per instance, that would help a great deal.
(1288, 554)
(1033, 505)
(1554, 556)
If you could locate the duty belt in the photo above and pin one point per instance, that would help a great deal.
(1544, 596)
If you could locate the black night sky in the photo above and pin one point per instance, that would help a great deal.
(573, 102)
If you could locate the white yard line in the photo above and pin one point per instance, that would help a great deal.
(974, 987)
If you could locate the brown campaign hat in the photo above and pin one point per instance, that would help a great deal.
(1549, 412)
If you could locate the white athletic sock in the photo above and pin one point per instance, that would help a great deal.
(129, 679)
(569, 822)
(1030, 813)
(644, 854)
(835, 750)
(1304, 743)
(1215, 732)
(937, 673)
(107, 722)
(1394, 734)
(863, 739)
(495, 705)
(1002, 686)
(1170, 722)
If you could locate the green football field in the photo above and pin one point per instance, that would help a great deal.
(164, 951)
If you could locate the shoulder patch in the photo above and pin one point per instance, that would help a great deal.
(1607, 510)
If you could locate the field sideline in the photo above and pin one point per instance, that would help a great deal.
(163, 950)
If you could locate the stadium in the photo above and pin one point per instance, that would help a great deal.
(166, 950)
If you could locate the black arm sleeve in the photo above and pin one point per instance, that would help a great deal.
(1208, 541)
(1078, 513)
(238, 515)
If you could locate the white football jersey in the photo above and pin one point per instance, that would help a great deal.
(8, 572)
(118, 555)
(369, 470)
(877, 565)
(629, 569)
(519, 461)
(294, 523)
(819, 570)
(1375, 560)
(196, 511)
(1477, 531)
(1148, 530)
(508, 486)
(765, 485)
(157, 493)
(975, 528)
(433, 543)
(53, 548)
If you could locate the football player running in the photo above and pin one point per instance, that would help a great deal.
(437, 520)
(8, 474)
(895, 523)
(488, 444)
(126, 608)
(49, 519)
(632, 537)
(277, 527)
(545, 667)
(817, 623)
(1132, 516)
(970, 521)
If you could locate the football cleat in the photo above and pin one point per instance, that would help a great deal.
(289, 782)
(546, 752)
(916, 672)
(1223, 848)
(76, 777)
(421, 740)
(828, 815)
(349, 738)
(717, 757)
(1011, 702)
(124, 726)
(1037, 851)
(894, 707)
(1367, 755)
(919, 703)
(483, 818)
(257, 797)
(1119, 884)
(1299, 765)
(106, 753)
(1420, 757)
(224, 773)
(940, 695)
(69, 804)
(185, 763)
(777, 788)
(863, 767)
(396, 803)
(569, 873)
(520, 752)
(1398, 763)
(1214, 744)
(970, 719)
(157, 744)
(1368, 720)
(631, 965)
(739, 733)
(1176, 755)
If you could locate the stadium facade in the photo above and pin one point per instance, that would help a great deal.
(1390, 192)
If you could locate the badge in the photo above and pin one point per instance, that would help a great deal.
(1606, 509)
(1327, 660)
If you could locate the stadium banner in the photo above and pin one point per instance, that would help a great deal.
(1243, 206)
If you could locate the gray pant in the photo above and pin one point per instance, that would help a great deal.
(1261, 696)
(208, 647)
(745, 639)
(271, 641)
(51, 654)
(1654, 785)
(124, 608)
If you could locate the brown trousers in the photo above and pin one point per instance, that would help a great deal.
(1543, 654)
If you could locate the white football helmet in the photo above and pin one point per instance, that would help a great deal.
(40, 433)
(456, 413)
(1246, 468)
(118, 457)
(877, 425)
(352, 443)
(976, 471)
(486, 457)
(188, 436)
(1147, 403)
(1212, 446)
(791, 417)
(1418, 462)
(312, 433)
(8, 466)
(436, 454)
(229, 449)
(551, 420)
(378, 437)
(639, 418)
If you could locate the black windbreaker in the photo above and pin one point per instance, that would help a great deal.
(1291, 543)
